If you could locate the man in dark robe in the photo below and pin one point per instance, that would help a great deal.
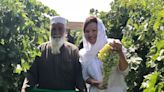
(58, 67)
(70, 38)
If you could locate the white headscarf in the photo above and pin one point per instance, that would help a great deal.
(89, 53)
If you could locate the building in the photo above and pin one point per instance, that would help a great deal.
(75, 25)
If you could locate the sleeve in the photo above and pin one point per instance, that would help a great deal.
(80, 84)
(126, 71)
(84, 70)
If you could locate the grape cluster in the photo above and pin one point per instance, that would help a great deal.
(110, 59)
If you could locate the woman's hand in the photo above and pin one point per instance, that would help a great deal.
(92, 81)
(95, 83)
(116, 45)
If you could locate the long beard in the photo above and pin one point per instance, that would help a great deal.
(56, 44)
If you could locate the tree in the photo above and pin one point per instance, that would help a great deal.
(23, 26)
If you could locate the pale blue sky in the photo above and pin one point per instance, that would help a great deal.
(77, 10)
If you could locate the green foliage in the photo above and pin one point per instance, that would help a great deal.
(23, 26)
(77, 34)
(141, 22)
(150, 81)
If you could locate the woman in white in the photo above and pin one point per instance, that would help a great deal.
(93, 40)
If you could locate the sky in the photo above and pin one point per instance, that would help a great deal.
(77, 10)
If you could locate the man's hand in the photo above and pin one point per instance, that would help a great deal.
(23, 90)
(25, 85)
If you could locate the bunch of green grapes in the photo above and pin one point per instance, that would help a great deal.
(110, 59)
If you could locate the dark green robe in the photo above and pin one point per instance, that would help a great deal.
(59, 72)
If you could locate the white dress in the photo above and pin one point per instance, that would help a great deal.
(92, 67)
(116, 82)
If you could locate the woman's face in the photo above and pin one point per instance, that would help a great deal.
(90, 32)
